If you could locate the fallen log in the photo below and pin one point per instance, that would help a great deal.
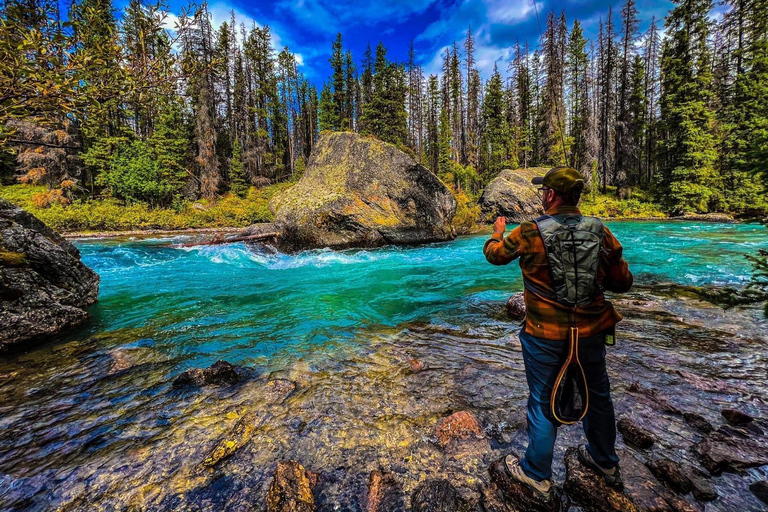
(233, 239)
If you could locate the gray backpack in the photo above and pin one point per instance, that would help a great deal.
(573, 244)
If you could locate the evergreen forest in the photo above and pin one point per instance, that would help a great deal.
(133, 107)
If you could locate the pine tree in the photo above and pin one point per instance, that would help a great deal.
(494, 146)
(432, 145)
(337, 67)
(552, 141)
(238, 176)
(473, 103)
(688, 144)
(624, 145)
(579, 111)
(385, 116)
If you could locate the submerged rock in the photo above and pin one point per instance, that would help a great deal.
(362, 192)
(459, 426)
(634, 434)
(734, 448)
(512, 195)
(516, 306)
(438, 496)
(44, 287)
(233, 441)
(384, 493)
(220, 372)
(291, 489)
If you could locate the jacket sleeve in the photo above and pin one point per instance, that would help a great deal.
(500, 251)
(618, 278)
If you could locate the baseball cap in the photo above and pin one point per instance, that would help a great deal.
(564, 180)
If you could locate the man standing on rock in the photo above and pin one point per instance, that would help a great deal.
(567, 260)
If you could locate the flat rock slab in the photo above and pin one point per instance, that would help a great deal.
(290, 490)
(734, 448)
(642, 492)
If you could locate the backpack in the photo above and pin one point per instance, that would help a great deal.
(573, 244)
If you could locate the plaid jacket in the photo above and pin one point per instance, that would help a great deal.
(546, 318)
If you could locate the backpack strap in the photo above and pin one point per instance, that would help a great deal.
(539, 221)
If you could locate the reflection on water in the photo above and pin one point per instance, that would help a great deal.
(92, 422)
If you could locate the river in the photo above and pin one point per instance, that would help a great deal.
(91, 421)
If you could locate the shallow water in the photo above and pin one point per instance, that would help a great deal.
(91, 422)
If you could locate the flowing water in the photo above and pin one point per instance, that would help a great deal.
(91, 421)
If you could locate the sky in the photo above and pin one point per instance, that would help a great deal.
(308, 27)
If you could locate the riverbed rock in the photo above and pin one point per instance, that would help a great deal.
(44, 287)
(735, 417)
(642, 492)
(654, 398)
(459, 426)
(438, 496)
(760, 489)
(362, 192)
(516, 496)
(219, 373)
(512, 195)
(734, 448)
(634, 434)
(230, 443)
(384, 493)
(516, 306)
(671, 473)
(290, 490)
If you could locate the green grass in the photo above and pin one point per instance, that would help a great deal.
(609, 206)
(109, 214)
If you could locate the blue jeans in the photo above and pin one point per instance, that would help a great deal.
(543, 359)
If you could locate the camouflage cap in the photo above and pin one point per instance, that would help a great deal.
(564, 180)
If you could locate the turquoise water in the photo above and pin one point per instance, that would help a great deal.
(201, 304)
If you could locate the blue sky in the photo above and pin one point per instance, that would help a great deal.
(309, 26)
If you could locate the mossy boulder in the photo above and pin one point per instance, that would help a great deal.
(362, 192)
(44, 287)
(511, 194)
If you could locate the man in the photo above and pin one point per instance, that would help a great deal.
(552, 309)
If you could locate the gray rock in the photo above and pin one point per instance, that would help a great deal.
(698, 422)
(634, 434)
(734, 448)
(512, 195)
(220, 372)
(361, 192)
(735, 417)
(760, 489)
(44, 287)
(516, 306)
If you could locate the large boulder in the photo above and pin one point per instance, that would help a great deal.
(362, 192)
(44, 287)
(512, 195)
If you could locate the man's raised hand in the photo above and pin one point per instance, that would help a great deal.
(500, 225)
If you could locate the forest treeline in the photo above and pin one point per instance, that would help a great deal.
(95, 105)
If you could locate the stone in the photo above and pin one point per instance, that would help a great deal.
(701, 487)
(459, 426)
(735, 417)
(518, 496)
(362, 192)
(44, 287)
(229, 444)
(634, 434)
(512, 195)
(672, 474)
(437, 496)
(219, 373)
(698, 422)
(415, 366)
(278, 390)
(290, 490)
(384, 493)
(760, 489)
(516, 306)
(642, 491)
(734, 448)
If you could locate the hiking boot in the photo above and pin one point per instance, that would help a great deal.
(542, 488)
(611, 476)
